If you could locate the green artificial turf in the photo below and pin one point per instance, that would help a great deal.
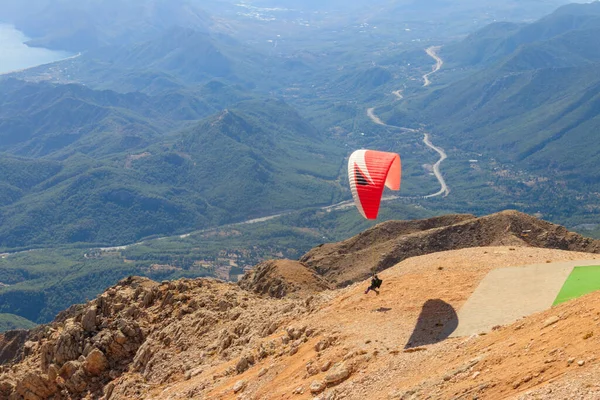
(583, 280)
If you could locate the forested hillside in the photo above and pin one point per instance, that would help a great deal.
(110, 187)
(532, 97)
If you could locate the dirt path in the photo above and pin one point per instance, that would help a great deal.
(417, 299)
(432, 52)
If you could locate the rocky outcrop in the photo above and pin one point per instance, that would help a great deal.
(280, 278)
(11, 345)
(141, 326)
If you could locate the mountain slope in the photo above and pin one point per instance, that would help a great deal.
(176, 58)
(532, 98)
(262, 154)
(258, 158)
(185, 53)
(207, 339)
(11, 322)
(38, 120)
(394, 241)
(499, 40)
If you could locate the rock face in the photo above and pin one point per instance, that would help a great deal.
(317, 387)
(280, 278)
(11, 345)
(389, 243)
(140, 326)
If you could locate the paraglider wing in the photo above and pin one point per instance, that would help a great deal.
(369, 171)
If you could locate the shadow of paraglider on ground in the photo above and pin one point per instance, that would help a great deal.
(436, 322)
(382, 309)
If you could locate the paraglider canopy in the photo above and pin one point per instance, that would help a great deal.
(369, 171)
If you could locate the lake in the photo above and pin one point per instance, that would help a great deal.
(15, 54)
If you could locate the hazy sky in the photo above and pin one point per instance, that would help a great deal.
(14, 54)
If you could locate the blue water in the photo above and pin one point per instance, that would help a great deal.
(15, 54)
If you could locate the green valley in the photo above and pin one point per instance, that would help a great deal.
(147, 153)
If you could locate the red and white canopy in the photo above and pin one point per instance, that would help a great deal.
(369, 171)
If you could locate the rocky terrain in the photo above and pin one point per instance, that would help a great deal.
(280, 278)
(389, 243)
(282, 333)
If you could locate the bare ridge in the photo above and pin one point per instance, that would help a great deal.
(389, 243)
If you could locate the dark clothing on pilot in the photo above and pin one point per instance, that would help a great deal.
(375, 284)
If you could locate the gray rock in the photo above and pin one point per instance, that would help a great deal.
(551, 321)
(317, 387)
(52, 372)
(338, 373)
(242, 365)
(298, 390)
(239, 386)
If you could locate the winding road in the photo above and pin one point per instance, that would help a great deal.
(444, 190)
(432, 52)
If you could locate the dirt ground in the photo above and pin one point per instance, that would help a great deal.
(396, 343)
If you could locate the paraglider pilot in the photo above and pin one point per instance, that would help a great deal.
(375, 284)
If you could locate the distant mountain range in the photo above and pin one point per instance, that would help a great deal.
(532, 97)
(163, 126)
(187, 133)
(177, 58)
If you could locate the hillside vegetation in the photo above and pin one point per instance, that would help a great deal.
(114, 174)
(11, 322)
(532, 99)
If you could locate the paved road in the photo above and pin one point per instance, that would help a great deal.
(432, 52)
(398, 94)
(444, 190)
